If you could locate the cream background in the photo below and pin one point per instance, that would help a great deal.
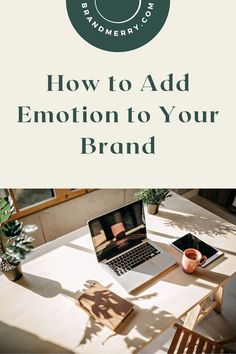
(38, 39)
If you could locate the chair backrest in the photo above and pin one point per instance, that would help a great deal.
(189, 342)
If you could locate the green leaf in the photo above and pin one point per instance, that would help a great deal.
(3, 202)
(12, 228)
(5, 209)
(4, 217)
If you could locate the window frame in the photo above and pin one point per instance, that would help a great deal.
(60, 196)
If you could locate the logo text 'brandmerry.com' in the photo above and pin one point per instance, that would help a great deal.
(118, 25)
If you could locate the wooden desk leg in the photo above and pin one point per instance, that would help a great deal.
(192, 317)
(218, 298)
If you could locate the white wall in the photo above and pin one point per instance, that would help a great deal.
(73, 214)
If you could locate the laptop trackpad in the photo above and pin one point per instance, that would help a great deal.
(149, 268)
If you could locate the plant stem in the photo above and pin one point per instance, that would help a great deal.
(2, 250)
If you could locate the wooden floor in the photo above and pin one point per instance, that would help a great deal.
(215, 326)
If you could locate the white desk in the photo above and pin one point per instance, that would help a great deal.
(38, 314)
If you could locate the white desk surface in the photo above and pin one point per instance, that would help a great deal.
(38, 314)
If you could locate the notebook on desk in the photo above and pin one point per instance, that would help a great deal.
(123, 249)
(105, 306)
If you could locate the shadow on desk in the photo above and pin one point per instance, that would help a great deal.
(201, 225)
(150, 325)
(146, 323)
(45, 287)
(15, 340)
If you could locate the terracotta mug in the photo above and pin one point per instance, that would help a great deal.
(192, 259)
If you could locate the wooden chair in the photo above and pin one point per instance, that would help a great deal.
(189, 342)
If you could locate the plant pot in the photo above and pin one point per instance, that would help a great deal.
(14, 273)
(152, 209)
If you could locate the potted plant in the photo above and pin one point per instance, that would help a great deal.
(15, 241)
(153, 198)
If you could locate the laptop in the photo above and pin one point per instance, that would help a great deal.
(123, 249)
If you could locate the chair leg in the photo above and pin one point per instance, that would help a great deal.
(218, 297)
(192, 317)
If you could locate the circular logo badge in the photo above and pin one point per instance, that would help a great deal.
(118, 25)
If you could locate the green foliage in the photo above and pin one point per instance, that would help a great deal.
(18, 249)
(6, 209)
(12, 228)
(153, 196)
(15, 240)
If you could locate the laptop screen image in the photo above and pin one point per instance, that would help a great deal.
(118, 230)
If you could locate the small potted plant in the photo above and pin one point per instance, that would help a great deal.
(153, 198)
(15, 241)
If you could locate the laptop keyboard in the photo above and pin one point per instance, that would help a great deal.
(133, 258)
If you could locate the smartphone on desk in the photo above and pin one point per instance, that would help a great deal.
(192, 241)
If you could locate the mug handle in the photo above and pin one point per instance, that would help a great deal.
(203, 260)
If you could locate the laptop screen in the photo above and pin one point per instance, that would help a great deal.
(118, 230)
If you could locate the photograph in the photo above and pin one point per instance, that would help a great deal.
(114, 265)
